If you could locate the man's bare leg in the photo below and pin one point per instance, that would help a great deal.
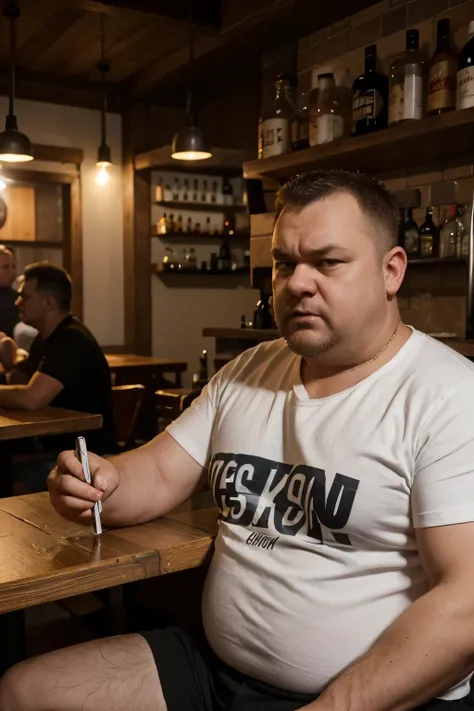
(116, 673)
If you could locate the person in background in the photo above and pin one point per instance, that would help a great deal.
(341, 459)
(65, 366)
(8, 295)
(23, 334)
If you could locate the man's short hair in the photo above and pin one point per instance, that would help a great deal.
(53, 281)
(373, 198)
(6, 250)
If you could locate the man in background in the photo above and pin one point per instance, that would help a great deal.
(9, 316)
(65, 367)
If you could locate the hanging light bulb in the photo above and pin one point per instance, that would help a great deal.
(190, 143)
(104, 158)
(15, 147)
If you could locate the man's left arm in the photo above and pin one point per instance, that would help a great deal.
(39, 392)
(430, 647)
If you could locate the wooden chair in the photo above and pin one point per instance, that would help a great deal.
(172, 402)
(127, 401)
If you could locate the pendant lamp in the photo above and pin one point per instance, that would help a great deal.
(190, 143)
(15, 147)
(104, 156)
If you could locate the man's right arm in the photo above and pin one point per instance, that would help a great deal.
(134, 487)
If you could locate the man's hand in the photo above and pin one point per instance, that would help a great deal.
(69, 492)
(8, 351)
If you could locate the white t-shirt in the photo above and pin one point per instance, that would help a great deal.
(316, 555)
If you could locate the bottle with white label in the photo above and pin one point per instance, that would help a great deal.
(442, 72)
(276, 135)
(413, 78)
(329, 108)
(465, 89)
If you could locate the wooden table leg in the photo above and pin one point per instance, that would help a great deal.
(12, 639)
(6, 471)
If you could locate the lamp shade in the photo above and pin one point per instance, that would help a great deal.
(15, 147)
(104, 156)
(190, 144)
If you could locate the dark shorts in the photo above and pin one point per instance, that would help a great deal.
(194, 679)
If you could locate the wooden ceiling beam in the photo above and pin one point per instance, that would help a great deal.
(40, 41)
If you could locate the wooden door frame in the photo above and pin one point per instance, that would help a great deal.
(72, 223)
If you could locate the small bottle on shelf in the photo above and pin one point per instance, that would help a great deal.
(176, 189)
(442, 72)
(159, 191)
(406, 83)
(411, 235)
(429, 236)
(370, 97)
(169, 260)
(228, 193)
(300, 124)
(450, 233)
(465, 78)
(329, 107)
(185, 193)
(214, 192)
(201, 378)
(207, 227)
(191, 260)
(263, 316)
(167, 193)
(224, 260)
(197, 228)
(179, 224)
(276, 138)
(162, 225)
(213, 262)
(243, 321)
(196, 191)
(189, 225)
(204, 191)
(170, 224)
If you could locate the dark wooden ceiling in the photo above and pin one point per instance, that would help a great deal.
(147, 44)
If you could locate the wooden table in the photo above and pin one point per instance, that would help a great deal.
(130, 369)
(17, 424)
(44, 558)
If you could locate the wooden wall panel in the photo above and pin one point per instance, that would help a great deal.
(20, 224)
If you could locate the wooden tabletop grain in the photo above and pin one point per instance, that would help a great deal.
(15, 424)
(131, 360)
(45, 558)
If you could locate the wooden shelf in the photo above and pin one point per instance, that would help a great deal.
(157, 269)
(201, 206)
(199, 236)
(224, 161)
(31, 243)
(244, 334)
(432, 139)
(420, 261)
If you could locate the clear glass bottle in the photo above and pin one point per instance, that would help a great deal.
(276, 138)
(162, 224)
(450, 234)
(176, 189)
(370, 97)
(465, 79)
(429, 236)
(329, 106)
(411, 235)
(442, 72)
(191, 260)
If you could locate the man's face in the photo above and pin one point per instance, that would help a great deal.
(329, 281)
(7, 269)
(33, 305)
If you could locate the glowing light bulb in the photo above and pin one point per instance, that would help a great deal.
(102, 177)
(3, 184)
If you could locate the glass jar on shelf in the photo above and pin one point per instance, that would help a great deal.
(329, 111)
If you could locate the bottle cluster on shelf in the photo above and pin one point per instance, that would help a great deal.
(449, 240)
(187, 260)
(196, 190)
(412, 89)
(168, 224)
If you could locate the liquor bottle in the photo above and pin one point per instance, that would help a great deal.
(228, 193)
(327, 102)
(204, 191)
(429, 236)
(191, 260)
(442, 73)
(224, 260)
(263, 316)
(170, 224)
(176, 189)
(162, 224)
(185, 195)
(167, 193)
(406, 83)
(214, 262)
(197, 228)
(299, 128)
(201, 378)
(370, 97)
(189, 225)
(276, 138)
(214, 192)
(450, 232)
(169, 260)
(411, 235)
(243, 321)
(179, 224)
(196, 191)
(159, 191)
(465, 79)
(207, 227)
(229, 227)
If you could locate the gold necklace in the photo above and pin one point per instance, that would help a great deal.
(371, 360)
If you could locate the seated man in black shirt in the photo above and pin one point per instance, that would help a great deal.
(65, 367)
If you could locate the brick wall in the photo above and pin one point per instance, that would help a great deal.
(432, 297)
